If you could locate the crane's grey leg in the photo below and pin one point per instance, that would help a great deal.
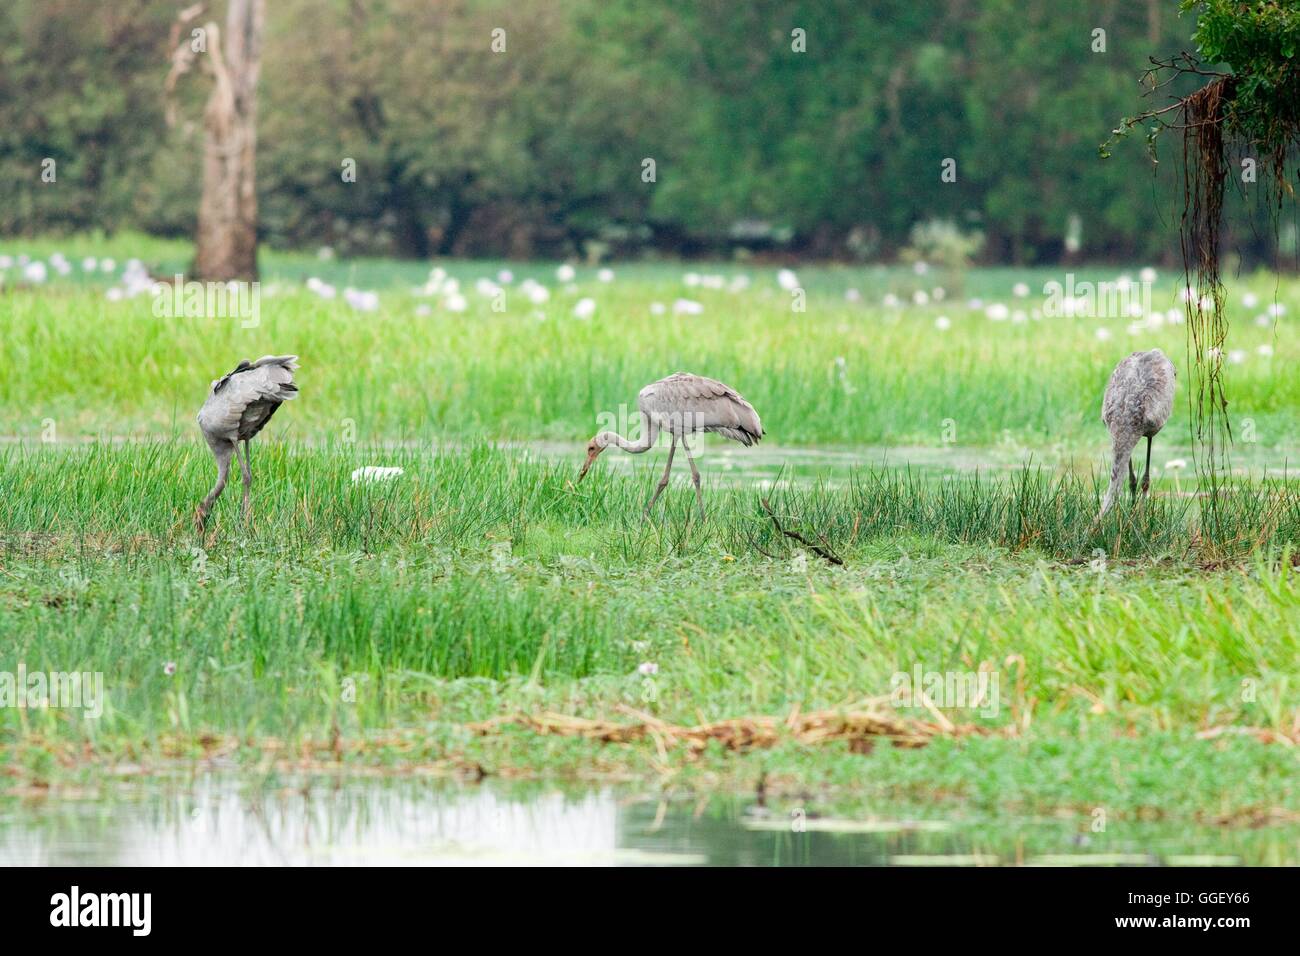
(1132, 482)
(695, 476)
(663, 482)
(247, 472)
(1146, 472)
(222, 455)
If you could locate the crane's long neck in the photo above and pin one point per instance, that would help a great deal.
(649, 432)
(1124, 443)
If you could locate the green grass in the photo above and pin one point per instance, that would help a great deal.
(140, 497)
(373, 622)
(483, 582)
(839, 372)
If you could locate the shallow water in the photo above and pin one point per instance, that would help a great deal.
(722, 460)
(228, 820)
(722, 463)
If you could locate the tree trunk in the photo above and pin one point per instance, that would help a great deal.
(226, 246)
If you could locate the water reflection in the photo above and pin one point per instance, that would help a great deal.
(217, 820)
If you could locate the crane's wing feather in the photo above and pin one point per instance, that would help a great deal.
(241, 403)
(1140, 394)
(688, 403)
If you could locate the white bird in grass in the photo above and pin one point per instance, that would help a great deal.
(683, 404)
(238, 407)
(1137, 404)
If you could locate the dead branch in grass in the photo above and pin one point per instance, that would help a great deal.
(822, 552)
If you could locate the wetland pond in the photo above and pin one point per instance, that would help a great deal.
(225, 819)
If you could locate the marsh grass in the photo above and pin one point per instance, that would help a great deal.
(140, 497)
(386, 616)
(853, 373)
(490, 565)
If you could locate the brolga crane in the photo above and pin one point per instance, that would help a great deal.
(238, 407)
(682, 404)
(1137, 404)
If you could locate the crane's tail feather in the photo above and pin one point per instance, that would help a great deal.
(741, 435)
(279, 374)
(289, 362)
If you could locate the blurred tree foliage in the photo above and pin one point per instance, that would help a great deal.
(80, 84)
(539, 150)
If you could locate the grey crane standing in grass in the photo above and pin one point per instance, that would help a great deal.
(682, 404)
(238, 407)
(1137, 404)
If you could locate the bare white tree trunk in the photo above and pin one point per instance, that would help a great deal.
(226, 245)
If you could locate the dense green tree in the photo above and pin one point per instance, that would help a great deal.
(79, 85)
(817, 126)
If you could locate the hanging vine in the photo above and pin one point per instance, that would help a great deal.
(1252, 110)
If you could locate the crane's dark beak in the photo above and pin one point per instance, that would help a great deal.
(586, 465)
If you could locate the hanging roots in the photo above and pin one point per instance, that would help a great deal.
(1205, 171)
(1255, 110)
